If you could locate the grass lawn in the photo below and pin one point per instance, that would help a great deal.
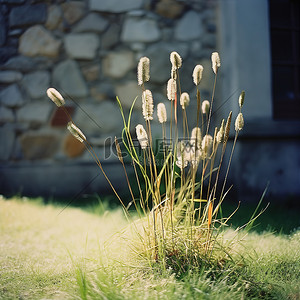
(47, 253)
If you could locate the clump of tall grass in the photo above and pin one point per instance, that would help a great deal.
(179, 200)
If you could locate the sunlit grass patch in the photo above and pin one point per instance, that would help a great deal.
(37, 243)
(79, 255)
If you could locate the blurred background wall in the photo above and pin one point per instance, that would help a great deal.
(89, 50)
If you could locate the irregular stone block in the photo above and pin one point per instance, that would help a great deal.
(35, 113)
(73, 11)
(115, 6)
(6, 115)
(81, 45)
(106, 116)
(102, 91)
(140, 30)
(93, 22)
(7, 138)
(110, 38)
(68, 78)
(26, 64)
(59, 118)
(127, 92)
(28, 15)
(170, 9)
(10, 76)
(11, 96)
(54, 17)
(36, 83)
(91, 72)
(117, 64)
(38, 41)
(72, 147)
(189, 27)
(20, 63)
(39, 146)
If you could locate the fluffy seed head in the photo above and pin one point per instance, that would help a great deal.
(184, 100)
(205, 107)
(206, 145)
(142, 136)
(171, 89)
(239, 122)
(220, 134)
(56, 97)
(196, 138)
(227, 128)
(161, 113)
(216, 63)
(173, 73)
(147, 105)
(175, 60)
(241, 99)
(197, 74)
(143, 70)
(76, 132)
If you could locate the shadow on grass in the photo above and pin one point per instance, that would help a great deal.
(278, 218)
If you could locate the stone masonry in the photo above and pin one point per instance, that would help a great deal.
(88, 50)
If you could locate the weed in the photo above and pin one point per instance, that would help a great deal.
(178, 204)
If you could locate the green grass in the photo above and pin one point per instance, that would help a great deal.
(37, 243)
(49, 254)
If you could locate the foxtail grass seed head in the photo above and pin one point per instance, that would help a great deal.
(142, 136)
(76, 132)
(173, 73)
(239, 122)
(56, 97)
(241, 99)
(119, 152)
(206, 145)
(221, 132)
(216, 63)
(143, 73)
(227, 128)
(196, 137)
(215, 143)
(184, 100)
(171, 89)
(197, 74)
(175, 60)
(205, 107)
(147, 105)
(161, 113)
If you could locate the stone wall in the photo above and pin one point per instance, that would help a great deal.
(88, 50)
